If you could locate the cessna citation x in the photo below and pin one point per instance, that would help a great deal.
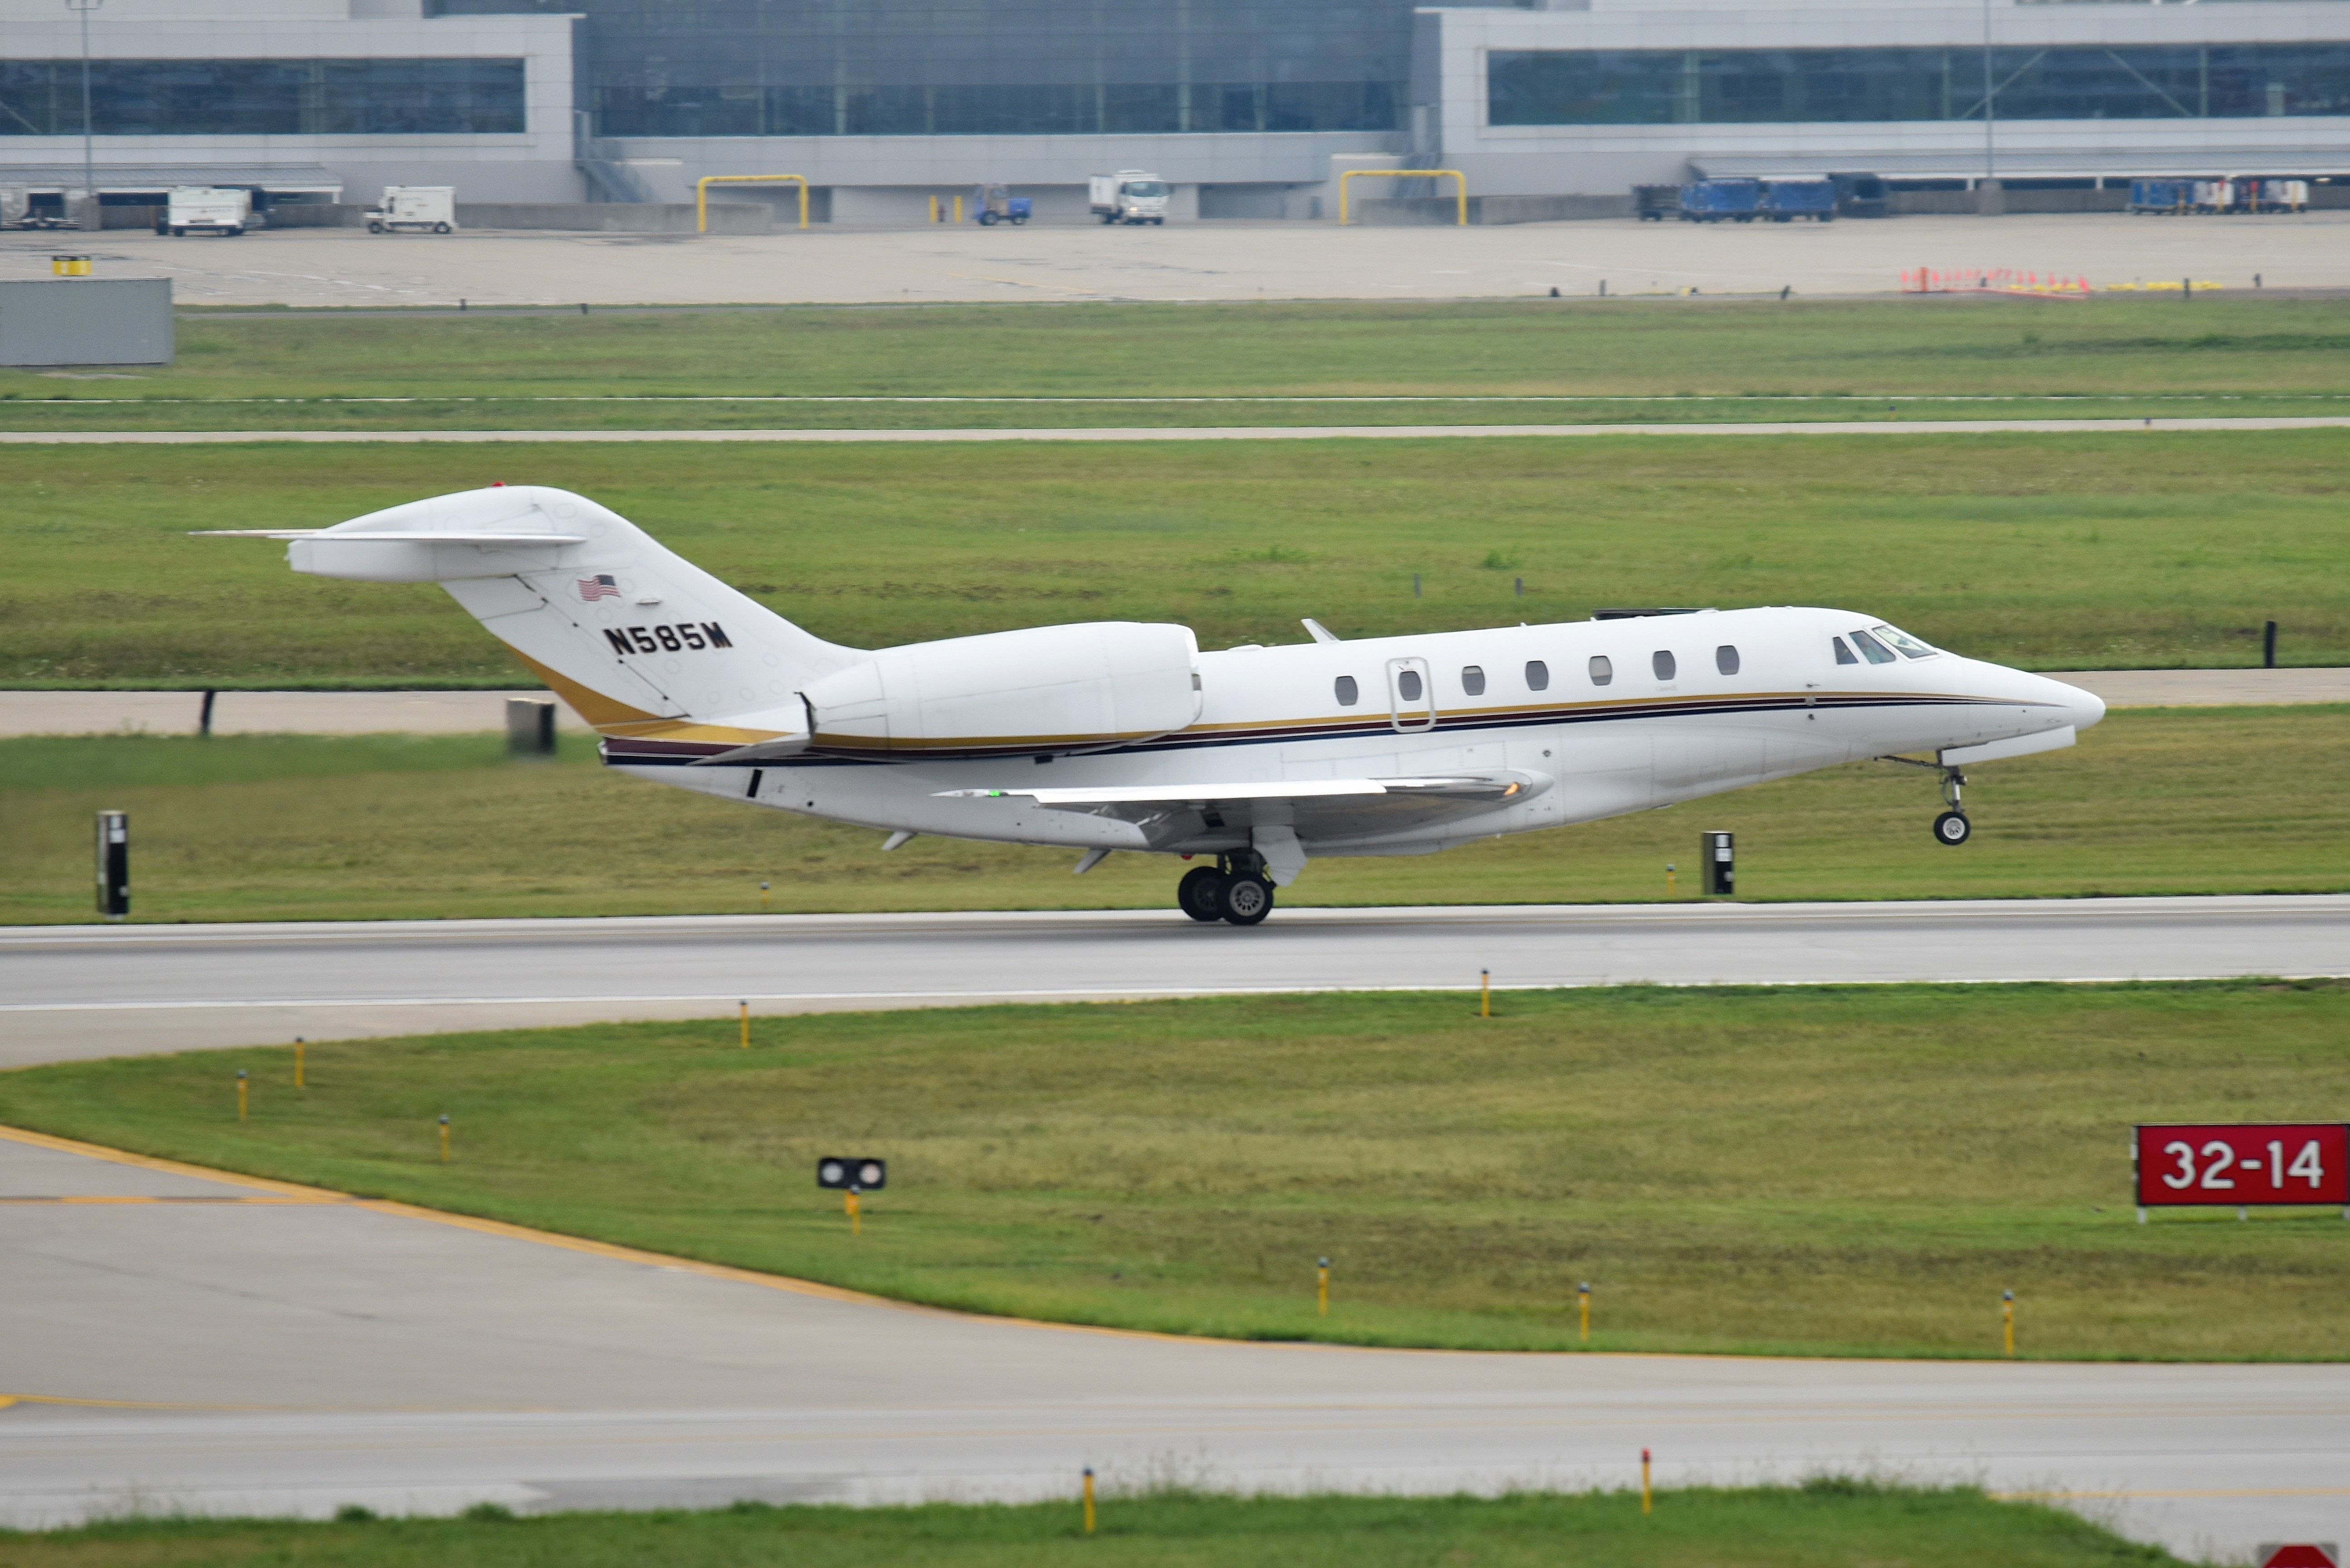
(1121, 736)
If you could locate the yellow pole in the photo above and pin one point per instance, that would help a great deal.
(934, 209)
(957, 208)
(1484, 993)
(1583, 1302)
(1322, 1289)
(444, 1137)
(239, 1094)
(1089, 1500)
(747, 1024)
(856, 1221)
(1646, 1497)
(763, 887)
(1669, 879)
(2007, 1319)
(297, 1064)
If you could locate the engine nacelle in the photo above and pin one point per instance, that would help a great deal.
(1052, 688)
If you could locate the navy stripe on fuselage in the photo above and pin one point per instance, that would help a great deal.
(677, 753)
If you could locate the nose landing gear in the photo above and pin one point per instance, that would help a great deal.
(1234, 889)
(1952, 827)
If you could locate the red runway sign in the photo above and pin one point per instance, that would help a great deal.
(2243, 1164)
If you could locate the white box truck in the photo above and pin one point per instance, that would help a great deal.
(419, 209)
(209, 209)
(1129, 196)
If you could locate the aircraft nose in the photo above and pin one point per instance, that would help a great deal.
(2086, 707)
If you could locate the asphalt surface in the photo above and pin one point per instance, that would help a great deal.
(184, 1340)
(94, 991)
(1191, 432)
(463, 712)
(1062, 262)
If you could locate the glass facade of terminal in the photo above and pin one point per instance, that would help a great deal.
(264, 98)
(991, 68)
(1774, 87)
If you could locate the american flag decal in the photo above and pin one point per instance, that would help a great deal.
(601, 587)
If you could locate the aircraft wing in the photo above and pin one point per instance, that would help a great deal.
(385, 539)
(1316, 808)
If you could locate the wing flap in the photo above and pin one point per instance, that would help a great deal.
(1316, 808)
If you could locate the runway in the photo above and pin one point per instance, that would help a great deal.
(83, 990)
(1883, 427)
(283, 1351)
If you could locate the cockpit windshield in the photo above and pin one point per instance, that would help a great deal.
(1903, 643)
(1871, 650)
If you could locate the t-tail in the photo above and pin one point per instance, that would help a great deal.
(648, 648)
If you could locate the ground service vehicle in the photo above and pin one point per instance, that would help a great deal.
(998, 205)
(1785, 201)
(418, 209)
(226, 211)
(1861, 196)
(1252, 758)
(1129, 196)
(1655, 203)
(1711, 201)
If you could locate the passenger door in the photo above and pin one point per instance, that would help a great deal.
(1412, 695)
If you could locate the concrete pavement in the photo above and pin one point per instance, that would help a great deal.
(185, 1340)
(94, 991)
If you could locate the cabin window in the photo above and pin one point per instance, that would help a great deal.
(1472, 680)
(1602, 671)
(1663, 664)
(1348, 693)
(1725, 658)
(1537, 675)
(1843, 654)
(1407, 685)
(1871, 650)
(1903, 643)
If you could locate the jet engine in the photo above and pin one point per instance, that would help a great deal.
(1052, 689)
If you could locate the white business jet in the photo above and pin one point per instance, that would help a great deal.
(1122, 736)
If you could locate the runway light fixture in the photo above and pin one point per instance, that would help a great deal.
(840, 1173)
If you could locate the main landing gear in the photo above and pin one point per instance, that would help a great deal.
(1235, 888)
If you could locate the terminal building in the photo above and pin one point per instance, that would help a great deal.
(1250, 109)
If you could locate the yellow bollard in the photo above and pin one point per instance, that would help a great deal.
(958, 209)
(239, 1094)
(934, 209)
(1089, 1500)
(1484, 993)
(2007, 1320)
(298, 1062)
(1322, 1289)
(747, 1024)
(444, 1137)
(1669, 879)
(1646, 1497)
(1583, 1304)
(762, 897)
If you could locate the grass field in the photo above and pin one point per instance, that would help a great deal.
(257, 827)
(1826, 1525)
(1813, 1171)
(2049, 552)
(1604, 358)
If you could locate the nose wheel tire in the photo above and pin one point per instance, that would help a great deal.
(1201, 894)
(1247, 899)
(1953, 828)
